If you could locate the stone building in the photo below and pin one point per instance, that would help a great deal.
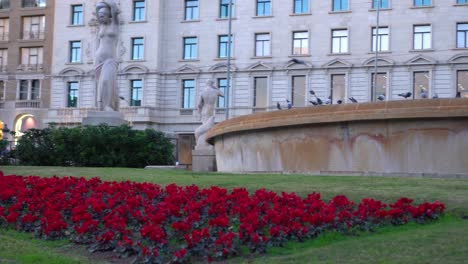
(26, 34)
(281, 50)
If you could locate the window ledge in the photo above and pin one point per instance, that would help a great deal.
(421, 7)
(339, 12)
(299, 55)
(269, 16)
(33, 8)
(190, 21)
(222, 59)
(380, 52)
(380, 9)
(6, 10)
(460, 48)
(225, 19)
(339, 54)
(31, 40)
(138, 22)
(261, 57)
(461, 4)
(186, 111)
(4, 41)
(422, 50)
(189, 60)
(301, 14)
(132, 61)
(78, 26)
(74, 63)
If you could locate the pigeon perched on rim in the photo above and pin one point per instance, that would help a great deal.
(435, 96)
(352, 99)
(289, 104)
(314, 103)
(278, 106)
(405, 95)
(381, 97)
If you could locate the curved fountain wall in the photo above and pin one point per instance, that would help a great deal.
(397, 137)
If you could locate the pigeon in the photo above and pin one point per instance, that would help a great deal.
(353, 100)
(319, 101)
(424, 94)
(312, 92)
(339, 101)
(278, 106)
(314, 103)
(435, 96)
(405, 95)
(458, 95)
(381, 97)
(289, 104)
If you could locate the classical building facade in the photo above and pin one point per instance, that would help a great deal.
(26, 33)
(281, 51)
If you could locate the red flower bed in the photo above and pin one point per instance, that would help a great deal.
(175, 224)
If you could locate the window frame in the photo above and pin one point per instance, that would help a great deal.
(139, 92)
(422, 37)
(190, 102)
(140, 49)
(193, 48)
(77, 14)
(465, 32)
(222, 88)
(264, 44)
(69, 93)
(222, 43)
(194, 10)
(374, 4)
(380, 36)
(341, 4)
(266, 5)
(75, 51)
(302, 40)
(224, 9)
(340, 40)
(138, 11)
(422, 4)
(302, 3)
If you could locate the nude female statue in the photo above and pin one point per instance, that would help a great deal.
(106, 63)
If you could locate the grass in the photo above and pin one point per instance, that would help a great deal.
(445, 241)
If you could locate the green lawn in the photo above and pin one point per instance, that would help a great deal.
(443, 242)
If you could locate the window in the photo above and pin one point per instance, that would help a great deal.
(298, 91)
(263, 7)
(260, 92)
(4, 4)
(75, 51)
(422, 3)
(422, 37)
(138, 10)
(77, 14)
(222, 85)
(223, 42)
(262, 45)
(462, 83)
(31, 56)
(73, 89)
(190, 48)
(339, 41)
(33, 27)
(34, 3)
(300, 43)
(23, 90)
(381, 39)
(191, 9)
(340, 5)
(420, 84)
(4, 29)
(136, 92)
(462, 35)
(224, 8)
(338, 88)
(137, 49)
(2, 90)
(301, 6)
(3, 59)
(35, 88)
(381, 89)
(383, 4)
(188, 94)
(462, 1)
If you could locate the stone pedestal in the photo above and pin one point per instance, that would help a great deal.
(203, 160)
(95, 118)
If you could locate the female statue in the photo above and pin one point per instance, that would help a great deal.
(106, 63)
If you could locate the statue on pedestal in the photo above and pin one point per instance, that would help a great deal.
(206, 108)
(106, 62)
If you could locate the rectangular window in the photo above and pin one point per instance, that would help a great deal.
(136, 92)
(224, 8)
(190, 48)
(138, 10)
(222, 85)
(420, 84)
(34, 3)
(381, 39)
(339, 41)
(2, 90)
(298, 92)
(301, 6)
(137, 48)
(191, 9)
(35, 89)
(4, 4)
(422, 2)
(260, 92)
(4, 29)
(3, 59)
(262, 45)
(340, 5)
(188, 94)
(381, 89)
(73, 90)
(300, 43)
(383, 4)
(338, 88)
(77, 14)
(23, 90)
(462, 83)
(462, 35)
(462, 1)
(422, 37)
(223, 42)
(263, 7)
(33, 27)
(75, 51)
(31, 56)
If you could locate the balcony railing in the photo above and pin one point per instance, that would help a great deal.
(33, 35)
(4, 4)
(30, 67)
(34, 3)
(4, 36)
(28, 104)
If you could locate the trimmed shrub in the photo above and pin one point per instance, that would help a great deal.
(94, 146)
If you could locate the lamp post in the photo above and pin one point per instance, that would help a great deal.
(228, 78)
(376, 47)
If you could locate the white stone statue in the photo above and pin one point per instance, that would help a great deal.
(206, 109)
(106, 61)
